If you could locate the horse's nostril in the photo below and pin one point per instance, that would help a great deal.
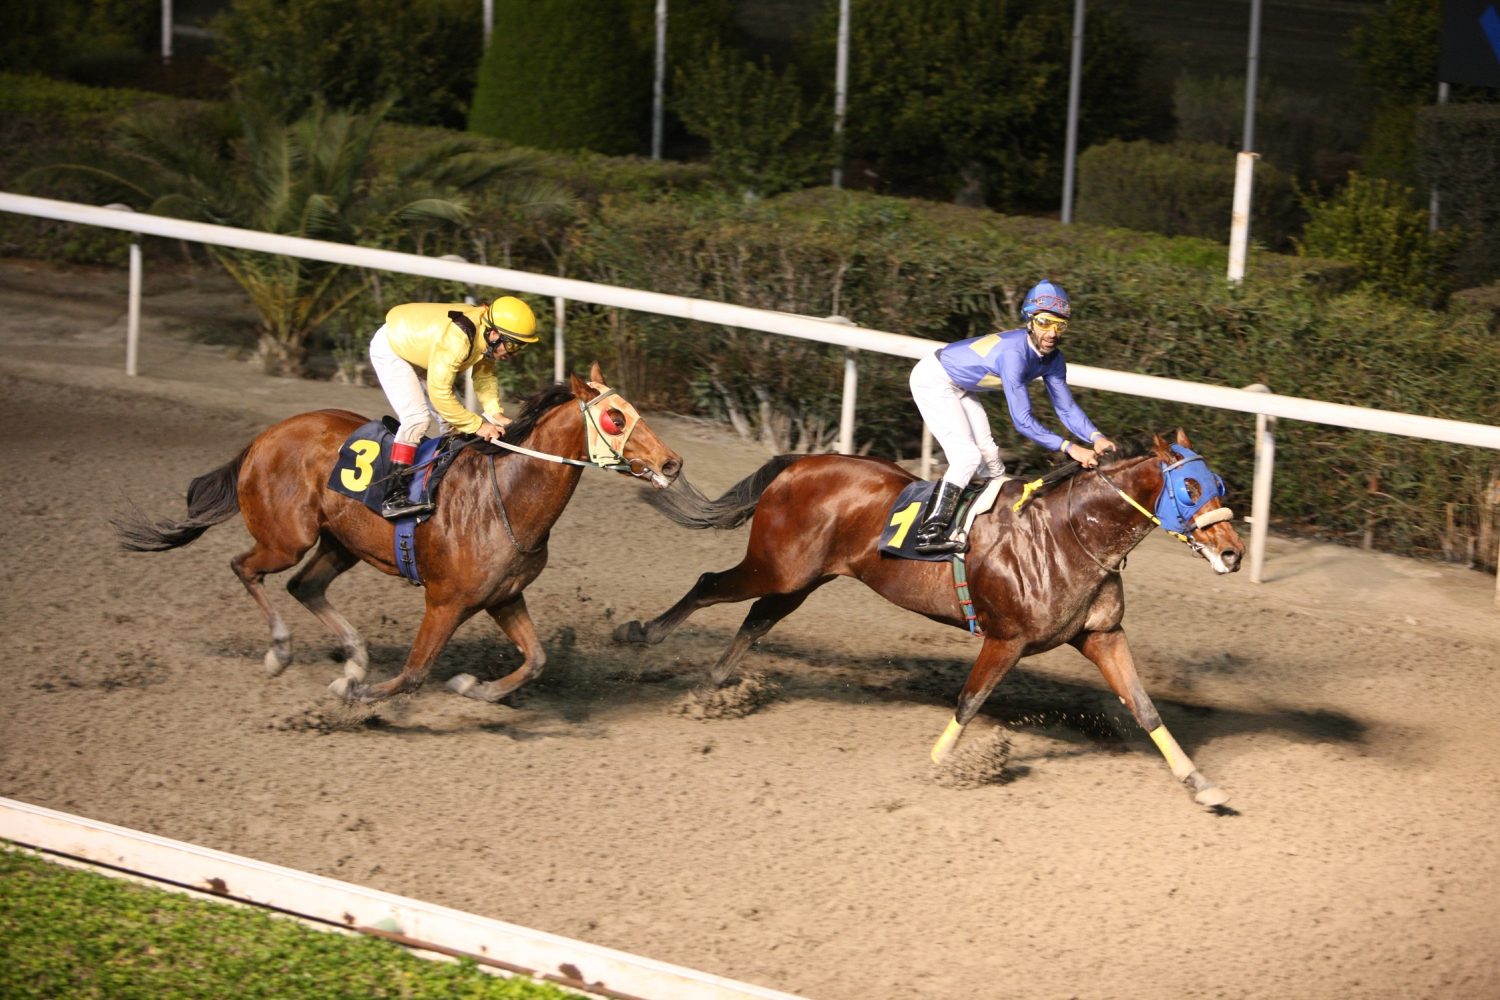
(670, 467)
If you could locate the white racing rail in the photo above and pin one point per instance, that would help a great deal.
(423, 926)
(830, 330)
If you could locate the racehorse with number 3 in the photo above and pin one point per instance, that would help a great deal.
(1042, 575)
(484, 544)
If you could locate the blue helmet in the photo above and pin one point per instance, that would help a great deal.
(1046, 296)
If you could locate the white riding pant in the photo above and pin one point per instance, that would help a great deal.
(406, 389)
(957, 420)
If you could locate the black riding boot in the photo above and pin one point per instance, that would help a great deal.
(396, 504)
(932, 536)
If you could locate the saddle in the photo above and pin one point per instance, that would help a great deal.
(899, 538)
(364, 464)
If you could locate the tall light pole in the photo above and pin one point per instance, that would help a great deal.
(660, 89)
(489, 21)
(1075, 79)
(166, 31)
(840, 92)
(1244, 166)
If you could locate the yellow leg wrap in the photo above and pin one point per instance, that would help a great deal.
(945, 742)
(1176, 759)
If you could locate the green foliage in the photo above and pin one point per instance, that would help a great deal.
(1312, 135)
(761, 135)
(969, 97)
(354, 54)
(77, 934)
(1379, 226)
(1397, 49)
(67, 35)
(1460, 155)
(1180, 189)
(564, 74)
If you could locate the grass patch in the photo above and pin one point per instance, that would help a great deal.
(77, 934)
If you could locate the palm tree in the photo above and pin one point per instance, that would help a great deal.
(314, 178)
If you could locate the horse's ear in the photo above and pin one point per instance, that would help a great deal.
(595, 375)
(1182, 438)
(580, 388)
(1163, 450)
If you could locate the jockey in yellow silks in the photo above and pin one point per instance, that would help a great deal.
(418, 355)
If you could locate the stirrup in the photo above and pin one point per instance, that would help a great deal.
(399, 507)
(944, 542)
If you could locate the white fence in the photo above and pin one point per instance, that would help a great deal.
(493, 944)
(829, 331)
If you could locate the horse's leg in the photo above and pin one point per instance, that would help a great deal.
(251, 567)
(751, 578)
(996, 657)
(763, 614)
(515, 621)
(1111, 653)
(438, 625)
(310, 586)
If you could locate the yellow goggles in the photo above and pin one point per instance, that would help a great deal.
(1047, 323)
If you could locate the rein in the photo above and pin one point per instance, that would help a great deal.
(619, 462)
(1199, 520)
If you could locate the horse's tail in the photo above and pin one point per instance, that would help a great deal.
(212, 498)
(684, 504)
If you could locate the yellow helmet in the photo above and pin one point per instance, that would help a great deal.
(513, 318)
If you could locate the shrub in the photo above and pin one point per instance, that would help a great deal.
(1180, 189)
(564, 74)
(1378, 226)
(1460, 156)
(354, 54)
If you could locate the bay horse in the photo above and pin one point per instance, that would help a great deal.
(486, 541)
(1039, 577)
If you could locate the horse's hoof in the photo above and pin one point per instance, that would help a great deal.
(344, 689)
(276, 662)
(630, 632)
(1211, 796)
(354, 671)
(463, 684)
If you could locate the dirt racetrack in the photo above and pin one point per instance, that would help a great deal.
(1348, 704)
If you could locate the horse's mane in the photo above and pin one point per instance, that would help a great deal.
(534, 407)
(1125, 451)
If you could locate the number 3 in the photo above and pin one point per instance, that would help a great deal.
(358, 479)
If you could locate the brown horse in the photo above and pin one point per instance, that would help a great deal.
(486, 541)
(1041, 576)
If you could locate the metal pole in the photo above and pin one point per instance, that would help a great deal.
(1075, 78)
(926, 451)
(489, 21)
(1432, 209)
(1239, 219)
(1251, 71)
(840, 92)
(166, 31)
(659, 93)
(559, 326)
(1260, 498)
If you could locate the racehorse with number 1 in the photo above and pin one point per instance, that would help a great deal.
(1043, 570)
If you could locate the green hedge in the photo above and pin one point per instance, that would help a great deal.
(1181, 189)
(1146, 303)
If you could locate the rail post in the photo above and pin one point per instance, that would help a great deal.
(133, 309)
(471, 398)
(559, 328)
(1260, 497)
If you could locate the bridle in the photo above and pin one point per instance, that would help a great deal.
(606, 448)
(1176, 512)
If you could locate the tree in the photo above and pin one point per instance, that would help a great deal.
(311, 178)
(761, 134)
(953, 95)
(564, 74)
(354, 54)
